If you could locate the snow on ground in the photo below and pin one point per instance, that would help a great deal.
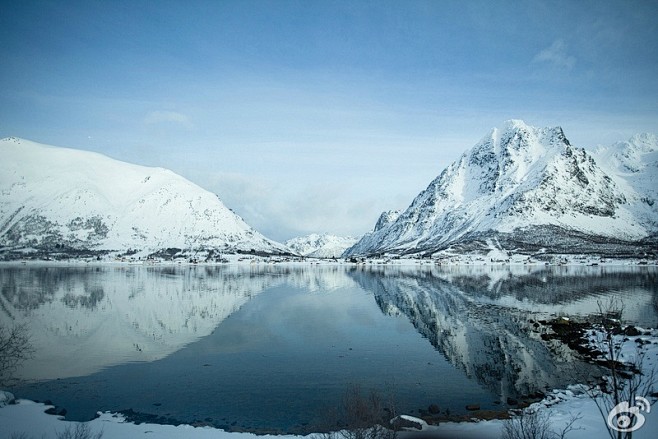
(28, 417)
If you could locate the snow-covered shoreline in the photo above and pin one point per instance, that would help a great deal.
(494, 260)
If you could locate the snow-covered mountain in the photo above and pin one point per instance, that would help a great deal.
(59, 200)
(528, 188)
(321, 246)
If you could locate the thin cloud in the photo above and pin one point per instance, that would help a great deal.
(556, 55)
(282, 211)
(168, 117)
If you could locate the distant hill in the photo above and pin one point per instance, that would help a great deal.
(321, 246)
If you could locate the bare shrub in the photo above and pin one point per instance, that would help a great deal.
(15, 348)
(627, 380)
(81, 431)
(361, 416)
(535, 425)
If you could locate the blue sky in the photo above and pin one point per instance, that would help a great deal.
(315, 116)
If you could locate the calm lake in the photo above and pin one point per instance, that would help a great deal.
(275, 347)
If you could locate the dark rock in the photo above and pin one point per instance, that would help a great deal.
(434, 409)
(473, 407)
(399, 423)
(631, 331)
(512, 401)
(6, 398)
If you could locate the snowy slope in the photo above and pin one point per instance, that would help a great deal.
(54, 199)
(634, 167)
(321, 246)
(529, 188)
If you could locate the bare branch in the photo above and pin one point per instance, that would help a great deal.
(15, 348)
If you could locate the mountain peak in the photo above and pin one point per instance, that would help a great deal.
(527, 186)
(515, 124)
(646, 142)
(517, 142)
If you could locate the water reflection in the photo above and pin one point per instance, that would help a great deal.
(478, 318)
(111, 315)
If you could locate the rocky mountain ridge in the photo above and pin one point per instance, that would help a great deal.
(526, 188)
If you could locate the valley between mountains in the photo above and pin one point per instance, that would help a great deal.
(520, 189)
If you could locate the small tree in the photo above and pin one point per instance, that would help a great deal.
(627, 381)
(15, 348)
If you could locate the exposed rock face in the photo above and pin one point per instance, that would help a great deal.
(387, 218)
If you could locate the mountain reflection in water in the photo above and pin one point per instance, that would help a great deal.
(480, 317)
(321, 328)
